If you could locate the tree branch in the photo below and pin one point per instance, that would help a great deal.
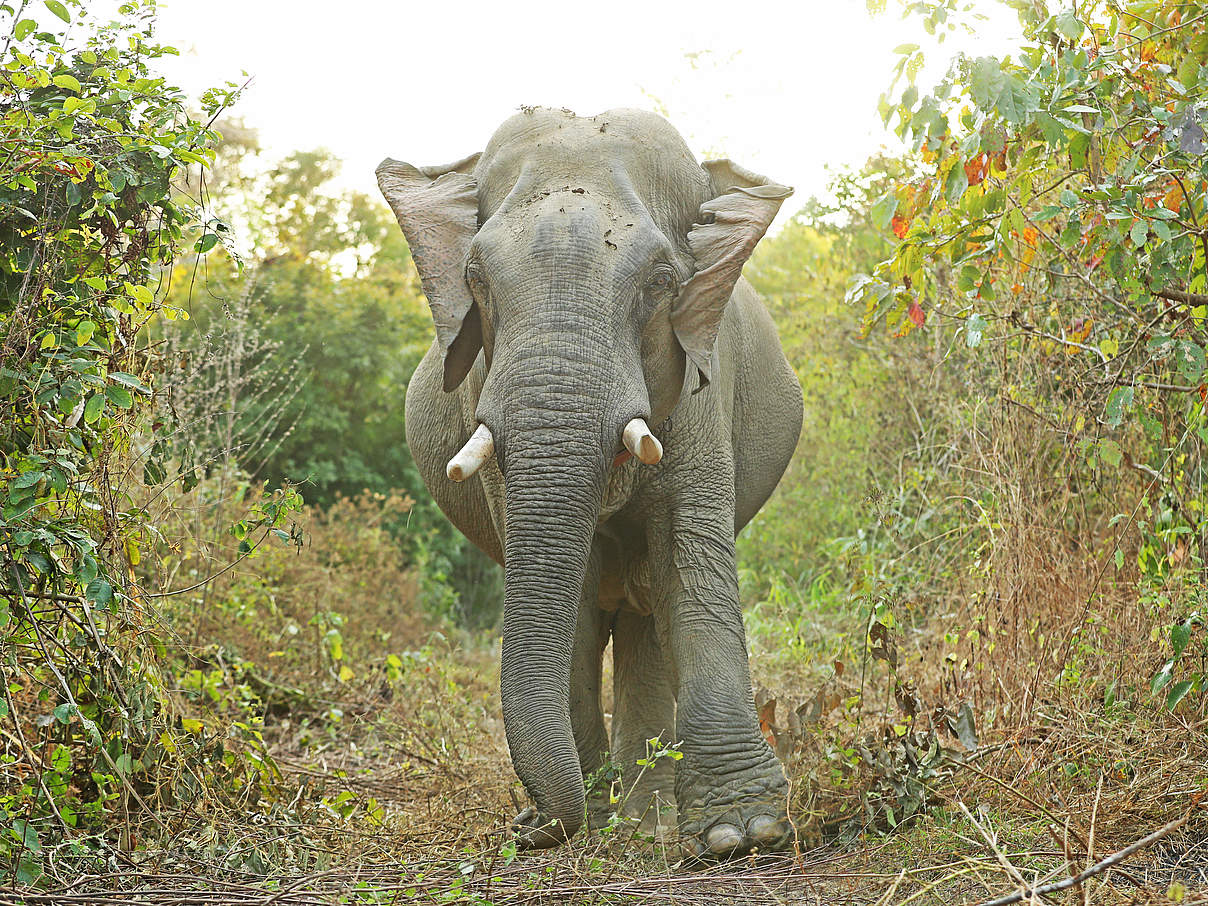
(1177, 295)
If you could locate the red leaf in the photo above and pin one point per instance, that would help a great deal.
(916, 314)
(976, 169)
(900, 225)
(767, 721)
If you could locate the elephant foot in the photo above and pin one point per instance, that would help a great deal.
(735, 819)
(762, 834)
(535, 831)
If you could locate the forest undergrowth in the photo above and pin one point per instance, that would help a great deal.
(247, 661)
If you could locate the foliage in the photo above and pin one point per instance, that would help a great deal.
(287, 613)
(980, 582)
(92, 140)
(1054, 217)
(298, 355)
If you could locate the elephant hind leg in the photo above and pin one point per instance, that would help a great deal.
(643, 709)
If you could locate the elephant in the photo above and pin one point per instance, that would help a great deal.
(584, 276)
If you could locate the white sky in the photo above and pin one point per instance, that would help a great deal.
(784, 88)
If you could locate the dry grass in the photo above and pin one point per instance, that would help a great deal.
(423, 774)
(396, 784)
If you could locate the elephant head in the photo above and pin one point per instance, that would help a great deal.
(591, 261)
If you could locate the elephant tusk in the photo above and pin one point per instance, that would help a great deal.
(469, 459)
(641, 443)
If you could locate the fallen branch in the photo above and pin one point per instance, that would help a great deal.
(1098, 868)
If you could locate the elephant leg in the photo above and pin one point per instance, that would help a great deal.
(731, 792)
(643, 709)
(586, 712)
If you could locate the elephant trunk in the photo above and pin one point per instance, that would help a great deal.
(555, 480)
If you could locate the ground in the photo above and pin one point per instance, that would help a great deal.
(401, 791)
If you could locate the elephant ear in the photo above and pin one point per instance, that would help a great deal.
(730, 225)
(437, 207)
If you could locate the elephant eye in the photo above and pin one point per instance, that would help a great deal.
(662, 280)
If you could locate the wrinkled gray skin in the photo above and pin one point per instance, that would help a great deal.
(564, 253)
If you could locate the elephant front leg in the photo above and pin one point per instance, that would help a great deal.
(731, 791)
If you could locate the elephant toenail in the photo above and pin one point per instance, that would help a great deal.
(525, 818)
(723, 839)
(766, 830)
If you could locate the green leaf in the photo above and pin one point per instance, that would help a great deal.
(1191, 360)
(22, 29)
(1119, 558)
(1139, 232)
(205, 243)
(986, 82)
(1180, 635)
(29, 872)
(154, 473)
(1017, 100)
(86, 571)
(119, 396)
(975, 326)
(1162, 677)
(1053, 131)
(99, 591)
(129, 380)
(882, 212)
(69, 82)
(1068, 25)
(60, 759)
(1118, 404)
(1110, 452)
(84, 332)
(956, 184)
(94, 407)
(58, 9)
(141, 295)
(25, 835)
(28, 479)
(1177, 692)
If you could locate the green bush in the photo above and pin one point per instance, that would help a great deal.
(89, 228)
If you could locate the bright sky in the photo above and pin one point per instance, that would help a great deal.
(785, 88)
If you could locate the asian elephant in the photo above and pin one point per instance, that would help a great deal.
(605, 405)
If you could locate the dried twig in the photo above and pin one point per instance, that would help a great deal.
(1098, 868)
